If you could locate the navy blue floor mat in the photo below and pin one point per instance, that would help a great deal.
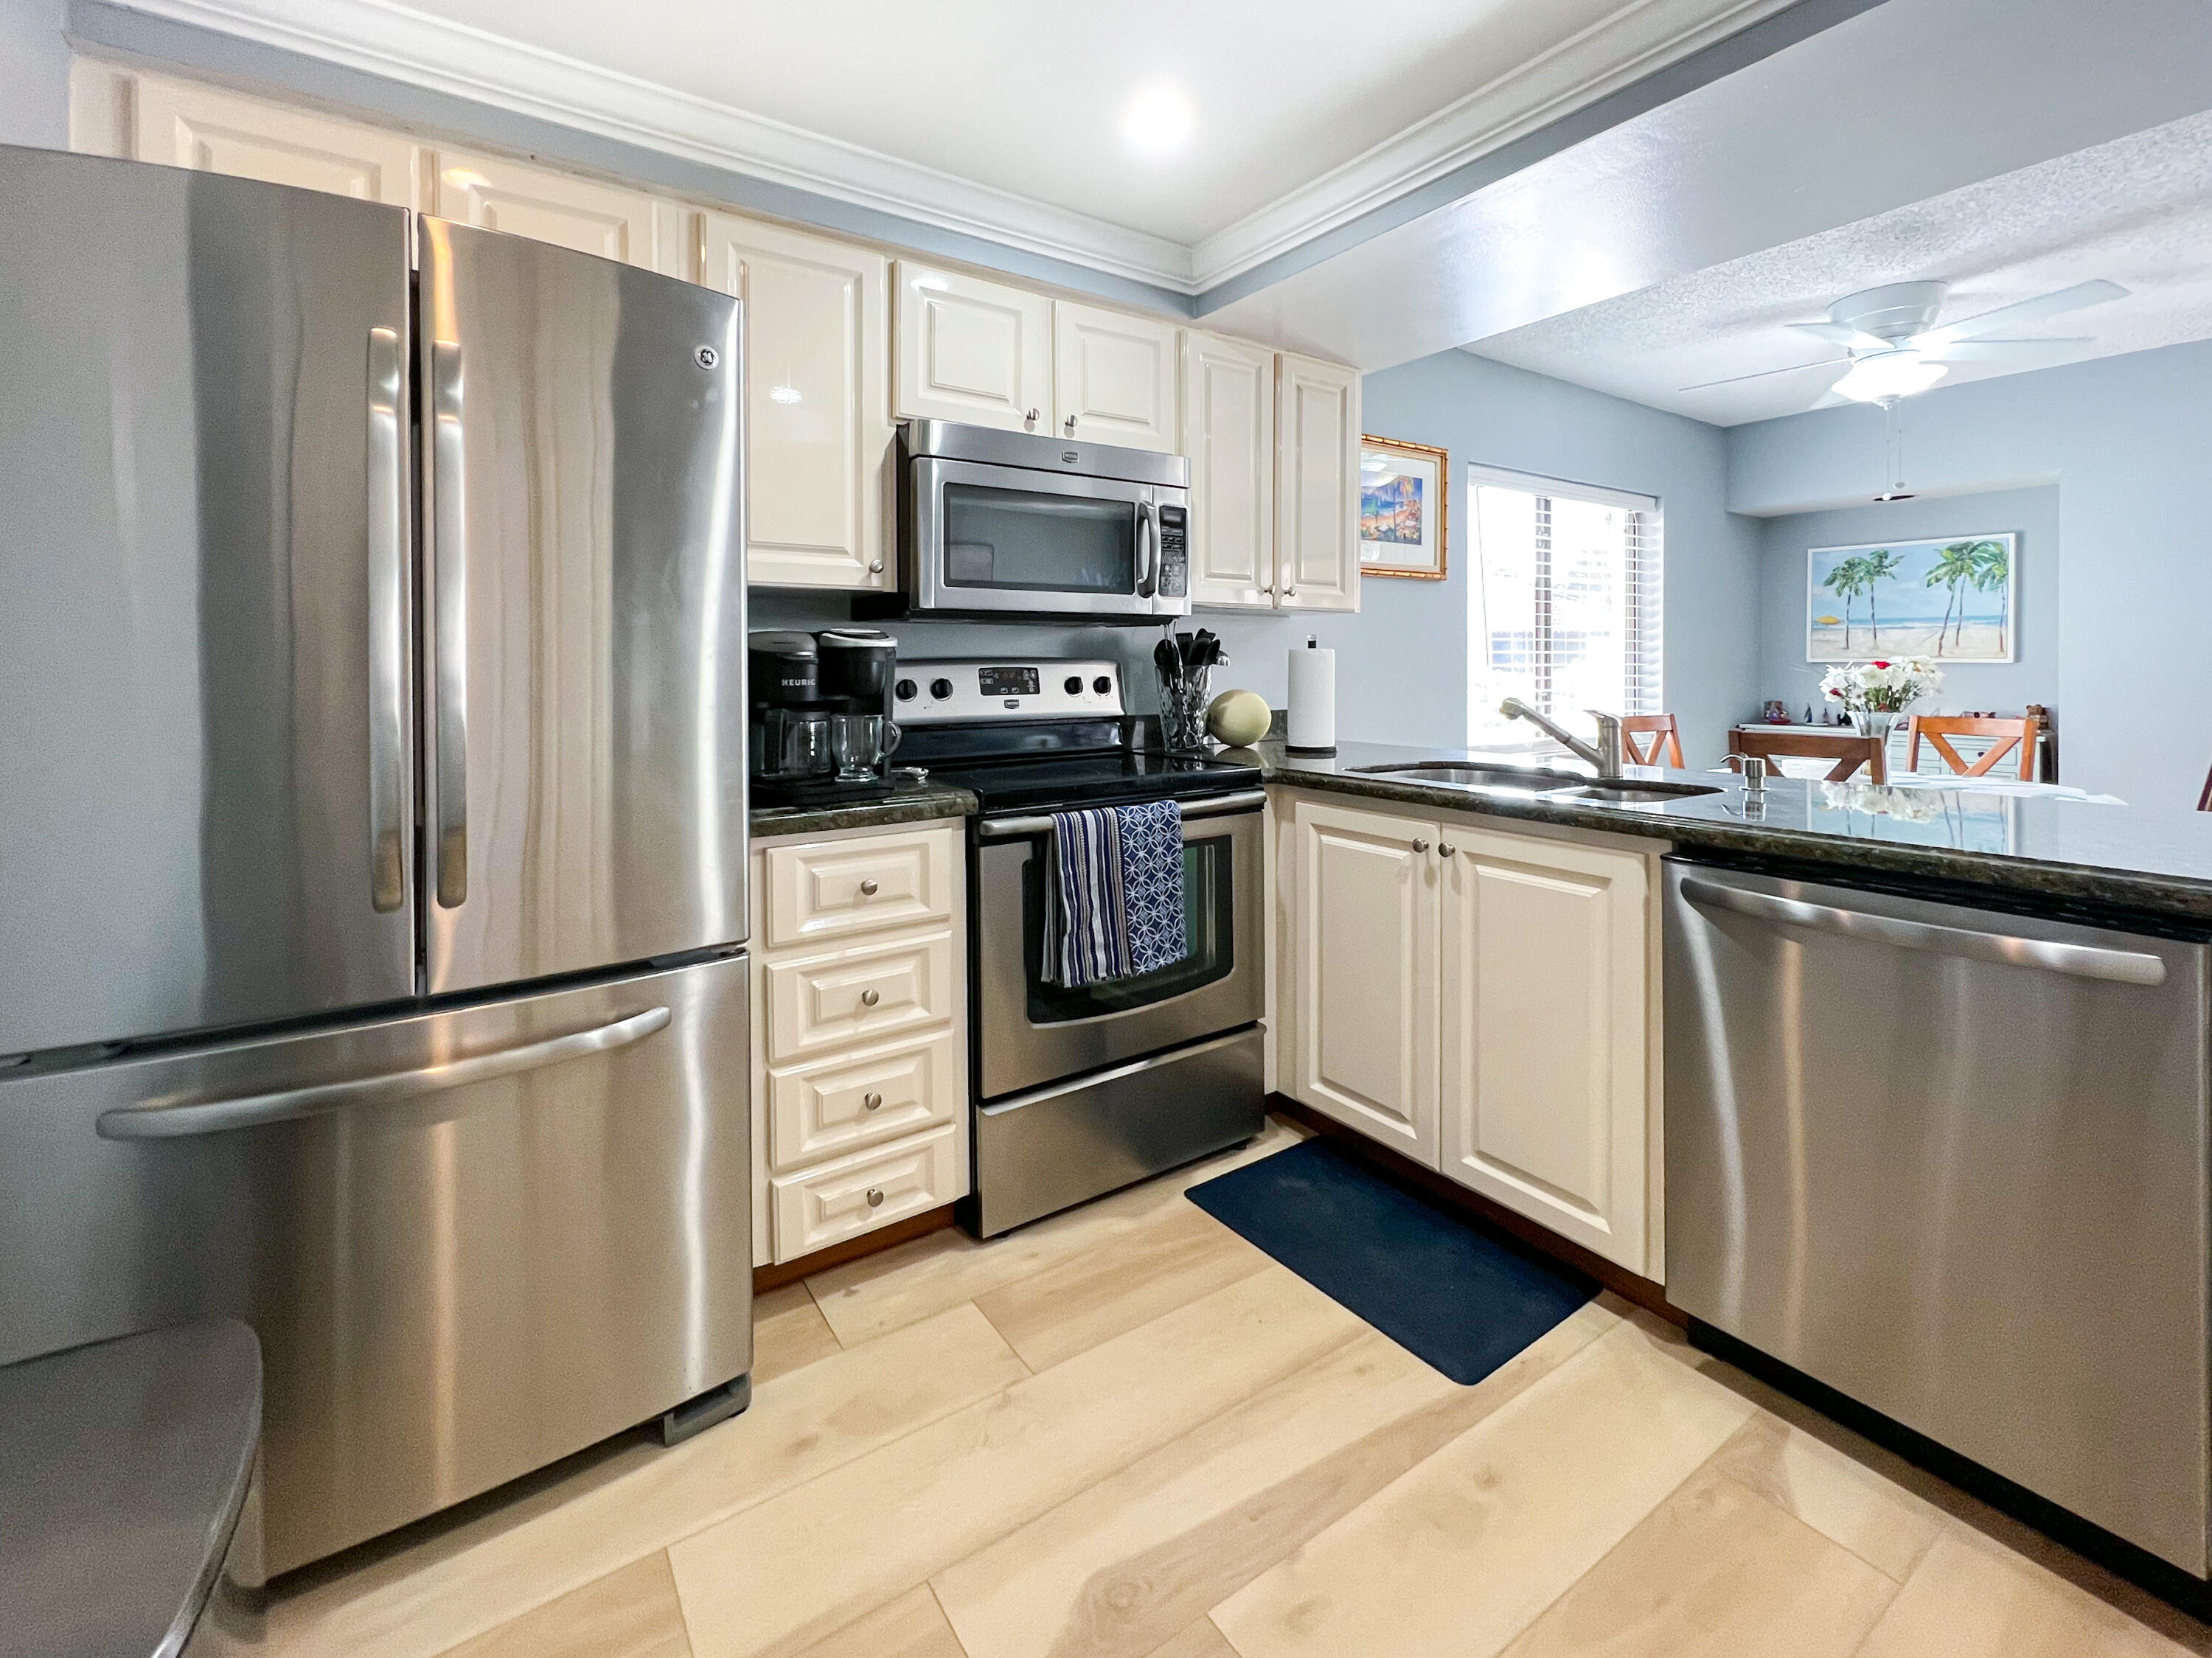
(1461, 1300)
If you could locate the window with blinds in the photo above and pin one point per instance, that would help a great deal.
(1565, 602)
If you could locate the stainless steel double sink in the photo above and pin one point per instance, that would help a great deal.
(1538, 782)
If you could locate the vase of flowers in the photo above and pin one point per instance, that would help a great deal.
(1875, 693)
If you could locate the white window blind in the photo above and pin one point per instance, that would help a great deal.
(1565, 601)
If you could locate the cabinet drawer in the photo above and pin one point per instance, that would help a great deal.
(836, 889)
(858, 1194)
(869, 993)
(824, 1110)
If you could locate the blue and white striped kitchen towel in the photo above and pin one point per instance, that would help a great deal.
(1114, 893)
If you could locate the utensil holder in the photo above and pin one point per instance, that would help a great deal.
(1183, 702)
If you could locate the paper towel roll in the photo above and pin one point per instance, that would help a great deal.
(1312, 723)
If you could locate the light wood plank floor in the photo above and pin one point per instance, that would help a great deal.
(1126, 1431)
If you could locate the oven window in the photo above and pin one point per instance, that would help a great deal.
(1208, 920)
(1038, 543)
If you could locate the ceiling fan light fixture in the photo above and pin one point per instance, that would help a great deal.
(1886, 374)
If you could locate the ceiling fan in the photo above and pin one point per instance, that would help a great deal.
(1892, 350)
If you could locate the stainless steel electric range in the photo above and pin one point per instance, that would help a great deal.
(1078, 1091)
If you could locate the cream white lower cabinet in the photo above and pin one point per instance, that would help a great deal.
(1485, 1002)
(860, 1047)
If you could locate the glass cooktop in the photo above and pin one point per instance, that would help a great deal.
(1094, 777)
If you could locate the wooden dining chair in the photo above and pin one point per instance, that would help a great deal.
(1847, 749)
(1666, 738)
(2024, 733)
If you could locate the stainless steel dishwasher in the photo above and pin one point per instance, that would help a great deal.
(1950, 1162)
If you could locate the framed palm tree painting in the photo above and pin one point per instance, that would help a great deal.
(1951, 598)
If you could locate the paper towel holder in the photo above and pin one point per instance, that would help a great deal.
(1305, 718)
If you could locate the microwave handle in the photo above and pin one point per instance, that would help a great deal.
(1148, 555)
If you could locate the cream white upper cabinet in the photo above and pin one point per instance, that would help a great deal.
(1544, 1028)
(628, 225)
(149, 118)
(1229, 438)
(1364, 959)
(1114, 377)
(817, 402)
(1316, 485)
(971, 350)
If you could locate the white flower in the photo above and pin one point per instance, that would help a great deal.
(1885, 687)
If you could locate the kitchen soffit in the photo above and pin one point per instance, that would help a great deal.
(1003, 118)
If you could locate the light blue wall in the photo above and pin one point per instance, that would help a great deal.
(35, 66)
(2128, 440)
(1402, 661)
(2004, 687)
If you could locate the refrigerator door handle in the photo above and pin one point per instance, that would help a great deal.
(449, 578)
(164, 1122)
(387, 664)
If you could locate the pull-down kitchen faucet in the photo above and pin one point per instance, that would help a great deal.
(1605, 756)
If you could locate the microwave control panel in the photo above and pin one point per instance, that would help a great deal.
(1175, 552)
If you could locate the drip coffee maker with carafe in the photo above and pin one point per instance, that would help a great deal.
(822, 730)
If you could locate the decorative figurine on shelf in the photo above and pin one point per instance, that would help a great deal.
(1777, 713)
(1809, 714)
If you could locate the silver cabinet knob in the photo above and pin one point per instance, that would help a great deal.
(868, 889)
(870, 997)
(1029, 419)
(1268, 588)
(1290, 593)
(871, 1102)
(875, 566)
(1444, 850)
(1070, 427)
(875, 1197)
(1421, 845)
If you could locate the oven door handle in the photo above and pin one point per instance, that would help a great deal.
(1219, 806)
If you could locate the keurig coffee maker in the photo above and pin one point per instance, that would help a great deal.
(821, 729)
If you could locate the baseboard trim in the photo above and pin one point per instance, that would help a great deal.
(1629, 1286)
(778, 1274)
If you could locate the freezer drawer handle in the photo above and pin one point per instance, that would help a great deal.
(387, 600)
(449, 565)
(2126, 967)
(166, 1122)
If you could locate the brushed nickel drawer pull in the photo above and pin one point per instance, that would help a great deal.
(868, 888)
(875, 1197)
(1444, 850)
(871, 1102)
(870, 997)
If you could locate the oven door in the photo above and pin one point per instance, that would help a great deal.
(1030, 1032)
(984, 538)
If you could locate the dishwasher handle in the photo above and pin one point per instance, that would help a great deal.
(164, 1122)
(2126, 967)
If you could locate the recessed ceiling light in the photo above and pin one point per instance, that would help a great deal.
(1158, 121)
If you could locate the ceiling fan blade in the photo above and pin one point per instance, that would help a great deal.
(2002, 350)
(2015, 316)
(1837, 333)
(1767, 373)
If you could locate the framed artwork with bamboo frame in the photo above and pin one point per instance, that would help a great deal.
(1402, 508)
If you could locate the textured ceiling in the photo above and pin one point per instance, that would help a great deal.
(2138, 211)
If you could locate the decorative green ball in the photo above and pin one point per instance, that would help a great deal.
(1239, 718)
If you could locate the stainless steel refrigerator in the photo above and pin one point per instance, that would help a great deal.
(372, 823)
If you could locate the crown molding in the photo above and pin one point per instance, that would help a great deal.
(381, 38)
(1635, 41)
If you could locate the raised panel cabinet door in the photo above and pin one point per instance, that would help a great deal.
(1229, 438)
(1114, 377)
(1544, 1052)
(971, 350)
(1316, 485)
(180, 125)
(818, 401)
(1366, 970)
(495, 193)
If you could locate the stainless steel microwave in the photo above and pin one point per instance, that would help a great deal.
(1001, 524)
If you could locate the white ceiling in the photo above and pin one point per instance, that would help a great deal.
(2137, 210)
(1004, 118)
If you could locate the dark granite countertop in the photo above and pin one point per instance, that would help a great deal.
(2127, 858)
(915, 802)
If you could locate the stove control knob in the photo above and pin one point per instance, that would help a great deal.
(1074, 686)
(941, 689)
(904, 690)
(1102, 684)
